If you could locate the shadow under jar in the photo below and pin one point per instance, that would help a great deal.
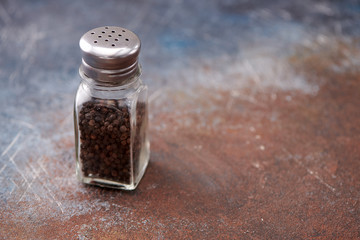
(111, 113)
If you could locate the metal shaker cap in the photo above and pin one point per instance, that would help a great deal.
(109, 54)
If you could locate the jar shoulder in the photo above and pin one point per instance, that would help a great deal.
(86, 92)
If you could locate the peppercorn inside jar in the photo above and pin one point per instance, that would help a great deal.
(110, 113)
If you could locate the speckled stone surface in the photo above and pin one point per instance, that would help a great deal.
(254, 121)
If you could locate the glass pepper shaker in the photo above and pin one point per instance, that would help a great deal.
(110, 110)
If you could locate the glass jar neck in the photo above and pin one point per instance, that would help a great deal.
(114, 90)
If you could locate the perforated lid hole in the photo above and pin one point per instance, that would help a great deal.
(113, 45)
(126, 39)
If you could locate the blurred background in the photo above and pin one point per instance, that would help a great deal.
(249, 100)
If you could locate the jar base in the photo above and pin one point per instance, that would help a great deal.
(100, 182)
(107, 183)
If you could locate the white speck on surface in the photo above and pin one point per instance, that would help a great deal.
(198, 147)
(152, 186)
(234, 93)
(256, 165)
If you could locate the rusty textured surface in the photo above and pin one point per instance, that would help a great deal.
(255, 118)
